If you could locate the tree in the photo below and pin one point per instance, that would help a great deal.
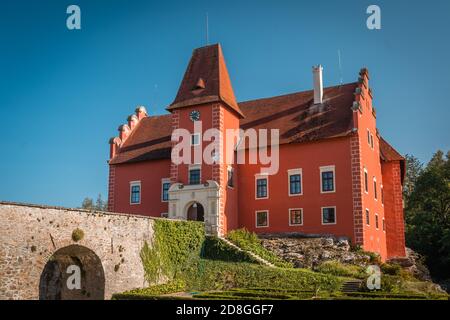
(413, 170)
(100, 205)
(428, 215)
(87, 204)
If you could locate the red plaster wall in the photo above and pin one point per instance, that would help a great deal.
(309, 157)
(150, 174)
(374, 239)
(393, 203)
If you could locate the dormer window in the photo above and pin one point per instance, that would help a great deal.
(199, 86)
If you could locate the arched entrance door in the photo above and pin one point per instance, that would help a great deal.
(73, 273)
(196, 212)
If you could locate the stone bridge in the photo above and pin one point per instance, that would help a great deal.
(43, 249)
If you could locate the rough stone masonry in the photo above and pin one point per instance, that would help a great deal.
(32, 236)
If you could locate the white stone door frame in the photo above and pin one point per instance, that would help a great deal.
(181, 197)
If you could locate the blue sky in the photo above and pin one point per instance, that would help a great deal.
(64, 93)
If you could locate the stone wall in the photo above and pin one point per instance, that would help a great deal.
(30, 236)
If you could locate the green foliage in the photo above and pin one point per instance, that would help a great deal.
(414, 169)
(77, 235)
(216, 249)
(249, 241)
(100, 204)
(153, 291)
(428, 215)
(220, 275)
(176, 245)
(339, 269)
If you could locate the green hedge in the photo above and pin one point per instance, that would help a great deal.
(153, 292)
(219, 275)
(249, 241)
(337, 268)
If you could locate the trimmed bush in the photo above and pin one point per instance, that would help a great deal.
(249, 241)
(77, 235)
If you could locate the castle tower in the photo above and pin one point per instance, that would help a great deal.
(203, 188)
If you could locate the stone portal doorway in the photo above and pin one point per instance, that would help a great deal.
(196, 212)
(62, 268)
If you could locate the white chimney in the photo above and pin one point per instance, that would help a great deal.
(318, 84)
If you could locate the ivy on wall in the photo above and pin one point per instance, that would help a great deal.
(176, 245)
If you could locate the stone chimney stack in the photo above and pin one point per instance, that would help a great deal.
(318, 84)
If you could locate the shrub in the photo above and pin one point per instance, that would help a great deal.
(339, 269)
(391, 269)
(249, 241)
(77, 235)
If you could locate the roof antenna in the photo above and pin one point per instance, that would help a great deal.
(341, 80)
(207, 31)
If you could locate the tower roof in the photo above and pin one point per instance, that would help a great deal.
(206, 80)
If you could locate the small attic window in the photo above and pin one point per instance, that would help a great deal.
(200, 84)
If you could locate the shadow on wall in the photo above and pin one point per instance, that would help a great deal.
(58, 280)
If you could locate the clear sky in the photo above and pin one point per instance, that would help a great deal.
(64, 93)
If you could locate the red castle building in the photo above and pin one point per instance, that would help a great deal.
(336, 176)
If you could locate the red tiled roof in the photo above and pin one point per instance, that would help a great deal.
(295, 115)
(388, 153)
(206, 80)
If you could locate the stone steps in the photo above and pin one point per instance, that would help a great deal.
(351, 286)
(253, 255)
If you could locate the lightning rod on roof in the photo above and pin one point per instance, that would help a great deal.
(207, 35)
(341, 80)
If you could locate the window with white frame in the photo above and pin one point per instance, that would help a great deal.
(194, 174)
(382, 194)
(262, 219)
(327, 179)
(371, 141)
(195, 139)
(384, 225)
(366, 181)
(329, 215)
(262, 187)
(295, 217)
(368, 217)
(376, 221)
(135, 192)
(165, 185)
(295, 182)
(368, 137)
(375, 191)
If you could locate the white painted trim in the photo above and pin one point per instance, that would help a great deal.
(257, 177)
(295, 225)
(133, 184)
(292, 172)
(365, 216)
(335, 215)
(163, 181)
(198, 141)
(256, 218)
(326, 169)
